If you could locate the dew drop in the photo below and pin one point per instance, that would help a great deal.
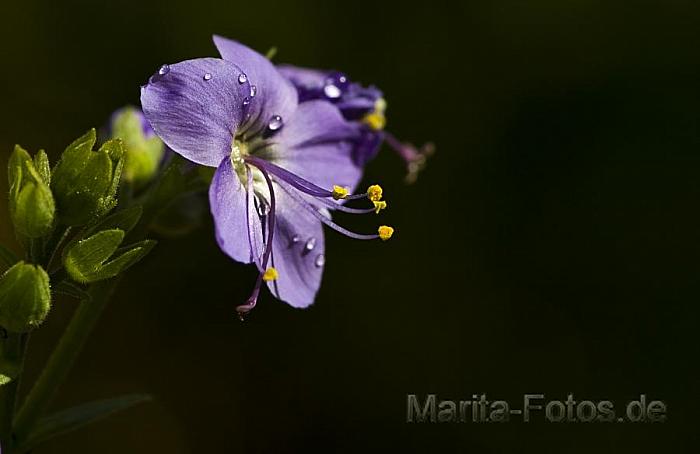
(320, 260)
(331, 91)
(242, 78)
(310, 244)
(207, 76)
(296, 239)
(253, 90)
(163, 70)
(275, 123)
(246, 101)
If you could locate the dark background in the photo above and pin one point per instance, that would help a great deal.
(549, 247)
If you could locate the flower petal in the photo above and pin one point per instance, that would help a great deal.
(238, 227)
(353, 100)
(274, 95)
(196, 106)
(297, 253)
(319, 145)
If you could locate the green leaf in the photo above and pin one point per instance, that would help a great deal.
(85, 258)
(76, 417)
(132, 255)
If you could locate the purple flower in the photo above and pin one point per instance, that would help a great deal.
(282, 165)
(363, 105)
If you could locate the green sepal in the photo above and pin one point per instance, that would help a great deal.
(25, 297)
(15, 172)
(85, 182)
(76, 417)
(41, 163)
(34, 211)
(31, 203)
(84, 259)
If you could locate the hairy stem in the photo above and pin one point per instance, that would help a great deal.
(62, 358)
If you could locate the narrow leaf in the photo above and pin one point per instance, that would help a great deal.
(133, 255)
(87, 256)
(76, 417)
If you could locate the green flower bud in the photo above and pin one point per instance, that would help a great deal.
(85, 182)
(25, 297)
(99, 257)
(32, 207)
(143, 149)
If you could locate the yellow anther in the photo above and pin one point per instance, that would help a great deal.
(379, 205)
(270, 274)
(376, 119)
(385, 232)
(339, 192)
(374, 193)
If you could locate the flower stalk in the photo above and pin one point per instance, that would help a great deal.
(62, 358)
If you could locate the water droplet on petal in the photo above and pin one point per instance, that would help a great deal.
(246, 101)
(164, 69)
(320, 260)
(310, 244)
(253, 90)
(296, 239)
(331, 91)
(207, 76)
(242, 78)
(275, 123)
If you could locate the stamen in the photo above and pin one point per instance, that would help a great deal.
(294, 180)
(339, 192)
(376, 119)
(374, 193)
(415, 158)
(379, 206)
(252, 238)
(270, 274)
(385, 232)
(345, 209)
(313, 211)
(244, 309)
(302, 184)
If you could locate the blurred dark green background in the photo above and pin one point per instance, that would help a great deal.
(550, 246)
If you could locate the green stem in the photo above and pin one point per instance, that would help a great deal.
(62, 358)
(12, 353)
